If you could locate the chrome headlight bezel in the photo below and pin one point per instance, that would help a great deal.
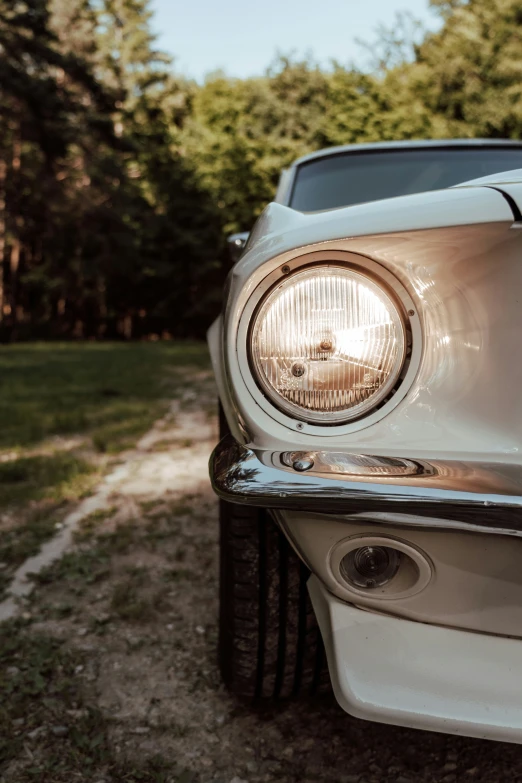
(327, 270)
(387, 282)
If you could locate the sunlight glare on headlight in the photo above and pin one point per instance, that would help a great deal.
(328, 344)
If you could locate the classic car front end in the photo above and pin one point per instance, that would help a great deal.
(368, 368)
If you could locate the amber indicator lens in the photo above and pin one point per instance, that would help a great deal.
(370, 566)
(328, 344)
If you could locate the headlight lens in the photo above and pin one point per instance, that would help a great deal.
(370, 566)
(327, 344)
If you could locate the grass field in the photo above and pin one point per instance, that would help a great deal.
(109, 392)
(66, 411)
(70, 413)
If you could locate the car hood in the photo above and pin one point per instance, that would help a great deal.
(501, 178)
(280, 229)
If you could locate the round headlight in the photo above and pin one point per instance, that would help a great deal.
(327, 344)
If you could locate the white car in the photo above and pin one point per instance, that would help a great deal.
(369, 368)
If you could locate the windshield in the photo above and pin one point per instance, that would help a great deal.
(353, 178)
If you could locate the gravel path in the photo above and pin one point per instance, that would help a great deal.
(145, 623)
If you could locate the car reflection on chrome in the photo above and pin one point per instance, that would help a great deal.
(370, 462)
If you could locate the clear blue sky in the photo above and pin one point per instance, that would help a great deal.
(242, 37)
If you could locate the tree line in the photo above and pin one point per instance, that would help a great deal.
(120, 180)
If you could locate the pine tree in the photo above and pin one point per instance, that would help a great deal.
(42, 92)
(180, 236)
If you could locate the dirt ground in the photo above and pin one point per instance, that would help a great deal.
(110, 672)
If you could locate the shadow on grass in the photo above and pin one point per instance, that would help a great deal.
(110, 391)
(58, 476)
(36, 491)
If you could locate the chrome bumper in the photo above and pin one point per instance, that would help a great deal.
(484, 497)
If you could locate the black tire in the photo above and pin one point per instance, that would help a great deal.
(270, 646)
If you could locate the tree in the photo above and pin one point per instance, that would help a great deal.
(470, 72)
(119, 180)
(242, 133)
(50, 101)
(177, 230)
(101, 221)
(395, 45)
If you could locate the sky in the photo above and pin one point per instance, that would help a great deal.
(242, 37)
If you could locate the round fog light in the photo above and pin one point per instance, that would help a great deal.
(370, 566)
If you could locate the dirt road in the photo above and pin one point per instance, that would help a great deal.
(110, 675)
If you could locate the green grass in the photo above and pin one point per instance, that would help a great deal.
(48, 729)
(106, 395)
(79, 568)
(89, 562)
(130, 601)
(88, 525)
(58, 476)
(37, 492)
(109, 391)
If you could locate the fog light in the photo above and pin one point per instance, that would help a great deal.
(370, 566)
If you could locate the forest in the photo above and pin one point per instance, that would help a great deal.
(120, 179)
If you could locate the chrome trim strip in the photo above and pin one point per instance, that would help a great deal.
(467, 495)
